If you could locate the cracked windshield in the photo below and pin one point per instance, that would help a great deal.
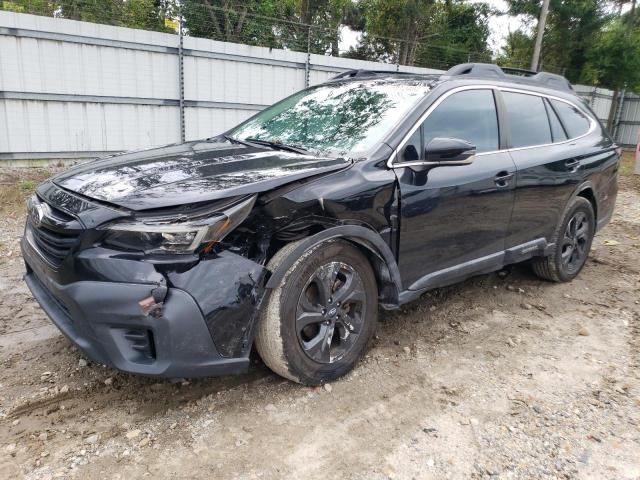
(348, 117)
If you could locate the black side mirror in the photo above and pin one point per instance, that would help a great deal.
(449, 151)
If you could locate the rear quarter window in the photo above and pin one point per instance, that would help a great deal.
(574, 121)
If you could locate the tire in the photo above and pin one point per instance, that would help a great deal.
(571, 243)
(335, 336)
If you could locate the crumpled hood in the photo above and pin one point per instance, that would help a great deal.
(190, 172)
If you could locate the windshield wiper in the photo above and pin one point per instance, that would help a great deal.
(277, 145)
(237, 140)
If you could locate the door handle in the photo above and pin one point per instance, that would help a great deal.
(502, 179)
(572, 165)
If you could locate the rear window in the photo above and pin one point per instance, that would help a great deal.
(527, 118)
(574, 121)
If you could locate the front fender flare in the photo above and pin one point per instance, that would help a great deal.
(365, 237)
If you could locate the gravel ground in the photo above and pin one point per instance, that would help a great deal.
(502, 376)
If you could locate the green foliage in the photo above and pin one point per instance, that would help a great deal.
(276, 23)
(143, 14)
(571, 31)
(584, 40)
(26, 185)
(424, 32)
(517, 51)
(614, 60)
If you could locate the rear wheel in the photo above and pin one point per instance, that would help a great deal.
(572, 243)
(317, 323)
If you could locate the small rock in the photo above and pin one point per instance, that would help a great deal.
(474, 421)
(407, 350)
(64, 389)
(108, 381)
(584, 332)
(526, 306)
(510, 342)
(328, 387)
(131, 434)
(43, 437)
(15, 422)
(82, 362)
(270, 408)
(44, 454)
(430, 462)
(173, 425)
(10, 448)
(144, 442)
(92, 439)
(520, 290)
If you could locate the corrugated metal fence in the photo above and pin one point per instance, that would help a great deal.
(625, 115)
(73, 89)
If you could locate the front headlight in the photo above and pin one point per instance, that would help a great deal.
(162, 235)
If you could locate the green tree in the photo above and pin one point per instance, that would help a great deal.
(572, 28)
(517, 50)
(614, 60)
(252, 22)
(144, 14)
(427, 33)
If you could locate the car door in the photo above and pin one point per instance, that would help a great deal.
(548, 166)
(453, 219)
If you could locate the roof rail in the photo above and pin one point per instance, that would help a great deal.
(489, 70)
(367, 73)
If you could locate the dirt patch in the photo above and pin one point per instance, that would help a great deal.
(501, 376)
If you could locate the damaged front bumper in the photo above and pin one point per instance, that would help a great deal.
(202, 327)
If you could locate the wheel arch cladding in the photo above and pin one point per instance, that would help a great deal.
(368, 242)
(586, 191)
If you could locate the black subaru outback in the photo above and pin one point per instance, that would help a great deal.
(289, 231)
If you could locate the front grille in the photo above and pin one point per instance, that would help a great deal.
(52, 232)
(53, 245)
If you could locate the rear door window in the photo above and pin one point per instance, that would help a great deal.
(574, 121)
(527, 118)
(468, 115)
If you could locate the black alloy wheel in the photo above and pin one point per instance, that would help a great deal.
(317, 323)
(577, 237)
(329, 312)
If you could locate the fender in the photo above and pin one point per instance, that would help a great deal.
(365, 237)
(587, 185)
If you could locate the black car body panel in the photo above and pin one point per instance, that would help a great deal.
(193, 172)
(421, 226)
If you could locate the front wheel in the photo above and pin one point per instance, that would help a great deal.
(571, 244)
(317, 323)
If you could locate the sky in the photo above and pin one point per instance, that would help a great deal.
(501, 24)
